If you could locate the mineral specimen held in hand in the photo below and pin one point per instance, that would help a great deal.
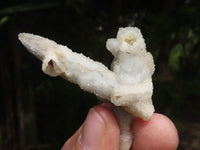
(128, 85)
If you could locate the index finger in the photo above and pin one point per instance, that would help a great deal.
(159, 133)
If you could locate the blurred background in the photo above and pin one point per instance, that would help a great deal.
(41, 112)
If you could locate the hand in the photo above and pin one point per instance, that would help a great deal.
(100, 131)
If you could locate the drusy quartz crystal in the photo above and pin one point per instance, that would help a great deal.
(128, 85)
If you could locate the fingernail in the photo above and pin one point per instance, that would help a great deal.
(107, 105)
(92, 132)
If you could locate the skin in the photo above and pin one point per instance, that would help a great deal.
(100, 131)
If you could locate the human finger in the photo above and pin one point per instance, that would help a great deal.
(159, 133)
(99, 131)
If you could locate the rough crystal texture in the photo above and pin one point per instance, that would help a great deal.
(128, 85)
(133, 66)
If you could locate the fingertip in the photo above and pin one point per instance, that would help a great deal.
(158, 133)
(107, 105)
(106, 113)
(100, 129)
(112, 132)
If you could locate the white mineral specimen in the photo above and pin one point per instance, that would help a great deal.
(133, 66)
(128, 85)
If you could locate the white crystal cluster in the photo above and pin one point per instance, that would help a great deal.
(128, 85)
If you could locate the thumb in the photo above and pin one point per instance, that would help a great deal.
(99, 131)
